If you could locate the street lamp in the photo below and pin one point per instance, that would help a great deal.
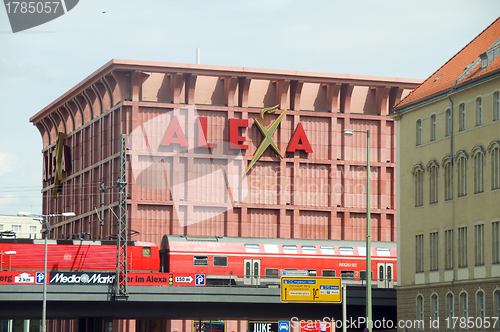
(350, 132)
(48, 228)
(10, 253)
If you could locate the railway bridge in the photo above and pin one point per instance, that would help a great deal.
(178, 302)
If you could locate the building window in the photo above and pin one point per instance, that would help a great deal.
(479, 112)
(448, 243)
(479, 243)
(434, 307)
(433, 182)
(16, 228)
(418, 177)
(478, 161)
(420, 309)
(495, 165)
(462, 247)
(32, 229)
(480, 308)
(419, 253)
(448, 179)
(464, 305)
(461, 117)
(434, 250)
(419, 132)
(433, 127)
(496, 106)
(496, 303)
(1, 227)
(450, 310)
(448, 123)
(495, 242)
(461, 160)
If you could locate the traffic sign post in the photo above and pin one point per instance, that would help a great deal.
(307, 289)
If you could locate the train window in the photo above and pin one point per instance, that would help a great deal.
(362, 251)
(220, 261)
(271, 248)
(349, 275)
(146, 251)
(381, 273)
(346, 251)
(328, 273)
(289, 249)
(327, 250)
(362, 275)
(312, 273)
(200, 260)
(389, 273)
(384, 252)
(251, 247)
(272, 273)
(309, 250)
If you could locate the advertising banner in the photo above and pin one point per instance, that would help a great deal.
(21, 277)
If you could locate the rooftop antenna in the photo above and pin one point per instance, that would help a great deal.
(198, 56)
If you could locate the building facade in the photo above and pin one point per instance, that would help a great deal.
(448, 192)
(219, 151)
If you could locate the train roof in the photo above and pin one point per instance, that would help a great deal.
(256, 240)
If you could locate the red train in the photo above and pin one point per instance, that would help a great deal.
(76, 255)
(224, 260)
(261, 261)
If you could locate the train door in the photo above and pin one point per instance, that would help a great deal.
(251, 272)
(385, 273)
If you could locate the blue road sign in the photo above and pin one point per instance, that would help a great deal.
(283, 326)
(39, 278)
(199, 280)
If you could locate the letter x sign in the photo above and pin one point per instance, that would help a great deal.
(267, 133)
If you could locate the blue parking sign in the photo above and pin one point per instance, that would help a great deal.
(283, 326)
(199, 280)
(40, 278)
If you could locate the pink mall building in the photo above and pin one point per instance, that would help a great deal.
(193, 162)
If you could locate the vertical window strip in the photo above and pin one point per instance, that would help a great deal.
(464, 306)
(479, 243)
(495, 242)
(496, 299)
(448, 124)
(479, 112)
(461, 117)
(420, 308)
(496, 106)
(419, 253)
(448, 239)
(435, 307)
(448, 182)
(462, 247)
(478, 173)
(480, 307)
(462, 176)
(495, 168)
(434, 251)
(433, 127)
(450, 312)
(419, 188)
(419, 132)
(433, 184)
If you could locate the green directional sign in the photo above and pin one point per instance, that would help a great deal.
(307, 289)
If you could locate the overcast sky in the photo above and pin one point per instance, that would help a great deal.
(394, 38)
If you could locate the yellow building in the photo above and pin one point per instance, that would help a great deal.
(448, 178)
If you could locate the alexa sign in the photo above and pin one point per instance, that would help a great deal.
(298, 141)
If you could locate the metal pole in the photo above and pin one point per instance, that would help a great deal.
(44, 306)
(368, 240)
(344, 308)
